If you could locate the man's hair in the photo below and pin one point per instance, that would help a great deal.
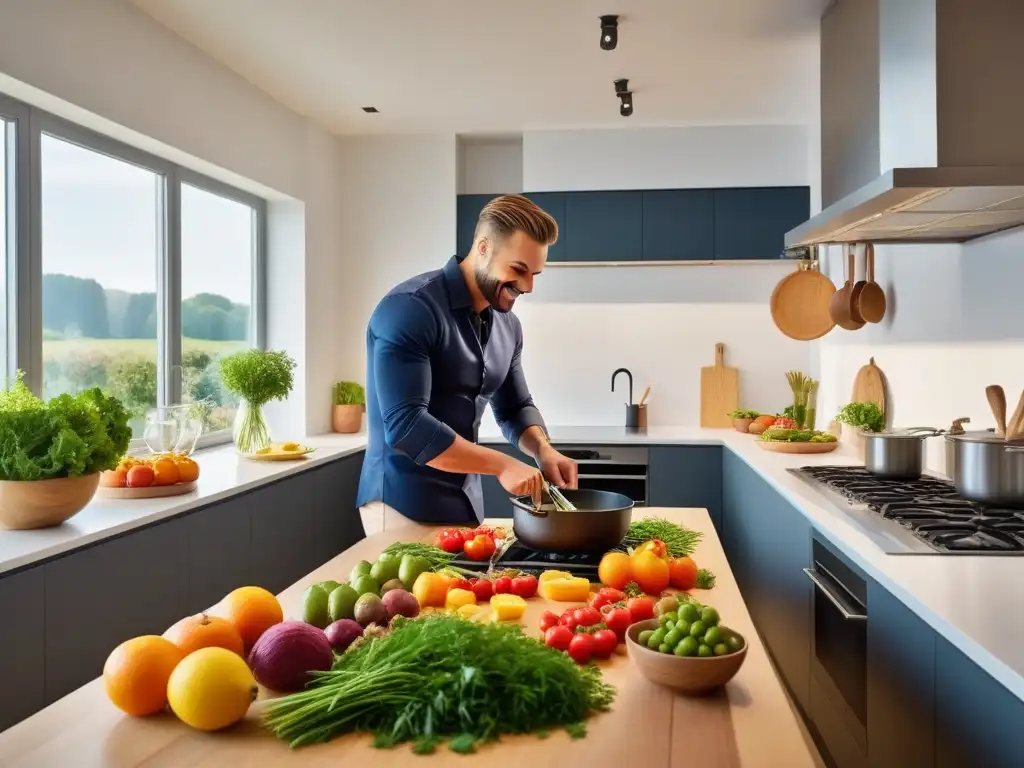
(503, 216)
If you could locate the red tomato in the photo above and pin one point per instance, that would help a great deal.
(502, 585)
(617, 620)
(547, 621)
(559, 638)
(604, 643)
(568, 620)
(581, 648)
(484, 530)
(524, 586)
(450, 540)
(606, 596)
(461, 584)
(480, 547)
(640, 608)
(483, 589)
(587, 617)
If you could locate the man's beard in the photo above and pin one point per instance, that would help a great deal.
(491, 288)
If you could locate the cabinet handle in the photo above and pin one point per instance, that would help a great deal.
(827, 592)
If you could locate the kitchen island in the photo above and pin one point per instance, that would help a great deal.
(749, 723)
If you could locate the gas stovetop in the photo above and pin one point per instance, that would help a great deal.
(521, 557)
(924, 516)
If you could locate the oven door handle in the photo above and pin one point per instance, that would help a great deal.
(827, 592)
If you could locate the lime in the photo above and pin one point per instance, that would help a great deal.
(664, 648)
(687, 647)
(673, 636)
(314, 607)
(683, 626)
(359, 569)
(713, 636)
(656, 639)
(722, 650)
(644, 636)
(670, 616)
(329, 586)
(735, 642)
(689, 612)
(341, 603)
(365, 584)
(697, 629)
(669, 625)
(709, 616)
(704, 650)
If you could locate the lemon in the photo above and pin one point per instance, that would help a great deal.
(211, 689)
(290, 447)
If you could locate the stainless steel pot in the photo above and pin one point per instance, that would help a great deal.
(599, 523)
(897, 455)
(988, 469)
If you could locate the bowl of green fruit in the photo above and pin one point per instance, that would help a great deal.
(687, 650)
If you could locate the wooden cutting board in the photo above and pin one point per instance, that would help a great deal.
(869, 386)
(719, 391)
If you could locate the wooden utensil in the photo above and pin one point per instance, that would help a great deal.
(1015, 429)
(869, 386)
(800, 303)
(643, 397)
(149, 492)
(871, 302)
(858, 289)
(719, 391)
(997, 402)
(839, 307)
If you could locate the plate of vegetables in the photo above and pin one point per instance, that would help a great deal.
(788, 440)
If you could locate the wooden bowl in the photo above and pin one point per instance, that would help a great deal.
(691, 675)
(28, 504)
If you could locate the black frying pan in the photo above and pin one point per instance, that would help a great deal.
(599, 523)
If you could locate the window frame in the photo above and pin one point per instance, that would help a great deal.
(24, 284)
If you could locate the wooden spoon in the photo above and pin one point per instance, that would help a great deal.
(1015, 429)
(997, 402)
(871, 302)
(839, 306)
(858, 289)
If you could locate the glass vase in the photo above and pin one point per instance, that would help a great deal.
(250, 430)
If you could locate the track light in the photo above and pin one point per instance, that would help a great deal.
(625, 97)
(609, 32)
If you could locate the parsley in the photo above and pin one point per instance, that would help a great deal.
(705, 579)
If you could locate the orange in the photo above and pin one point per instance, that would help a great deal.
(114, 478)
(202, 631)
(650, 572)
(683, 573)
(188, 470)
(615, 570)
(253, 610)
(135, 674)
(165, 472)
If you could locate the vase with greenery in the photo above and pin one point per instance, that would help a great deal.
(349, 404)
(256, 377)
(867, 417)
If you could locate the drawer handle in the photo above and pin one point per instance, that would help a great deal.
(827, 592)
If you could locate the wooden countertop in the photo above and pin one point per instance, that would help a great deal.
(749, 723)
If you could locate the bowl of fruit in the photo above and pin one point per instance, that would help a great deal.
(686, 650)
(145, 477)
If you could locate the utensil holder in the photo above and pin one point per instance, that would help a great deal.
(636, 417)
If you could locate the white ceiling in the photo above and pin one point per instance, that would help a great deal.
(478, 66)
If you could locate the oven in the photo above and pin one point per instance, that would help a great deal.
(618, 468)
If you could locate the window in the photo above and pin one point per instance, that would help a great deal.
(6, 230)
(218, 256)
(100, 250)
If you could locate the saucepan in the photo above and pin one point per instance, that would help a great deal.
(988, 469)
(599, 522)
(897, 455)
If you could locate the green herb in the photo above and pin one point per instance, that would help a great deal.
(866, 416)
(463, 744)
(741, 414)
(349, 393)
(577, 730)
(258, 375)
(679, 541)
(67, 436)
(442, 677)
(632, 589)
(705, 579)
(437, 557)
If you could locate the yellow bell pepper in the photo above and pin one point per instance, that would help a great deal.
(549, 575)
(567, 589)
(458, 598)
(430, 589)
(472, 612)
(508, 607)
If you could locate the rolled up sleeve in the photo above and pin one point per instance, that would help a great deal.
(404, 331)
(512, 404)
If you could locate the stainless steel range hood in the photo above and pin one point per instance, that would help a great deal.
(922, 122)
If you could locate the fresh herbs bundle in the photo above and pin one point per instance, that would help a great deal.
(679, 541)
(258, 375)
(349, 393)
(441, 677)
(67, 436)
(866, 416)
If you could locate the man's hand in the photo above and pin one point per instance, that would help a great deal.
(521, 479)
(559, 469)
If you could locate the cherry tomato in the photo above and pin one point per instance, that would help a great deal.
(484, 530)
(617, 619)
(604, 643)
(568, 620)
(581, 648)
(483, 589)
(461, 584)
(606, 596)
(524, 586)
(450, 540)
(587, 617)
(480, 547)
(502, 585)
(640, 608)
(547, 621)
(559, 638)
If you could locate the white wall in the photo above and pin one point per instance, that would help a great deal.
(489, 166)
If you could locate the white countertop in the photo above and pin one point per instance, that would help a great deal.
(975, 602)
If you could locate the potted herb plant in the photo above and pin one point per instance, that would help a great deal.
(52, 453)
(255, 376)
(349, 404)
(857, 418)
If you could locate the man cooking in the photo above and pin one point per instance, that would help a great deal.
(440, 347)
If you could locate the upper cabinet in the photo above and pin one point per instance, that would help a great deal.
(679, 225)
(553, 203)
(604, 226)
(751, 223)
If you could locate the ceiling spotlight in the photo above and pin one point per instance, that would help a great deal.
(625, 97)
(371, 110)
(609, 32)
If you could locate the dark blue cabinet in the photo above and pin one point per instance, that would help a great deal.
(554, 204)
(467, 210)
(686, 476)
(679, 225)
(604, 226)
(22, 645)
(751, 222)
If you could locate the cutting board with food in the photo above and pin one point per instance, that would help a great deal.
(719, 391)
(869, 386)
(149, 477)
(789, 447)
(281, 452)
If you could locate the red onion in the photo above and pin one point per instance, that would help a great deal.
(284, 655)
